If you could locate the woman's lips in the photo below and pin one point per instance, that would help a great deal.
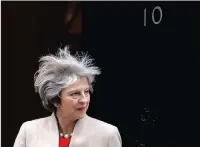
(81, 109)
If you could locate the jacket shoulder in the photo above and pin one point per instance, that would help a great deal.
(35, 123)
(28, 129)
(104, 131)
(101, 125)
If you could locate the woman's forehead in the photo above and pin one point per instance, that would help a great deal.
(81, 84)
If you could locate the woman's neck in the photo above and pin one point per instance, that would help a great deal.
(66, 124)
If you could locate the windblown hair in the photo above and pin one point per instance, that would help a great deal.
(59, 71)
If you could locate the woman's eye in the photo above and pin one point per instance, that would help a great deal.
(74, 94)
(87, 91)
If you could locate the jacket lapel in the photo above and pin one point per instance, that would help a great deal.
(53, 134)
(79, 132)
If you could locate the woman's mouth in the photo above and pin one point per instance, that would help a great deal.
(81, 109)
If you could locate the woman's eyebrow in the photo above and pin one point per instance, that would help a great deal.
(72, 91)
(78, 90)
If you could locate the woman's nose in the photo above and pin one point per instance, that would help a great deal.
(84, 98)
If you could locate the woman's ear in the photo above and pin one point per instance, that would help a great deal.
(59, 94)
(56, 105)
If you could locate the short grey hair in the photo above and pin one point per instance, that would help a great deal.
(59, 71)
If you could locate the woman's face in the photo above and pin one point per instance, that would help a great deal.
(75, 99)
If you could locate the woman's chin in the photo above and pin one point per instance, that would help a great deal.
(80, 115)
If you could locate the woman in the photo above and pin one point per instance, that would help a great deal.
(64, 83)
